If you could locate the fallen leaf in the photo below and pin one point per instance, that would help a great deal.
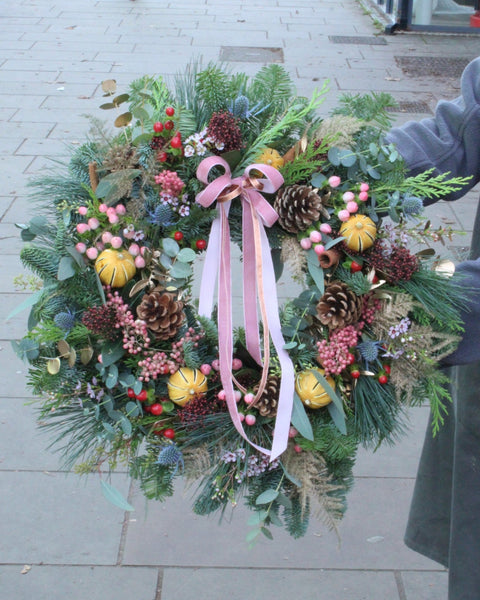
(26, 569)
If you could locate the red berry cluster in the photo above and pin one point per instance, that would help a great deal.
(102, 321)
(164, 140)
(396, 264)
(224, 128)
(196, 410)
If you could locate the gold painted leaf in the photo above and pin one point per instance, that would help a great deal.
(86, 355)
(109, 86)
(72, 357)
(53, 365)
(63, 348)
(123, 120)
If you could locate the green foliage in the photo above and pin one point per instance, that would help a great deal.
(211, 330)
(427, 186)
(436, 389)
(371, 108)
(212, 88)
(82, 157)
(357, 282)
(271, 87)
(156, 481)
(41, 261)
(305, 164)
(296, 517)
(441, 298)
(378, 415)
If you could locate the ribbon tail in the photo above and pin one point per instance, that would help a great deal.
(250, 314)
(210, 270)
(287, 385)
(225, 329)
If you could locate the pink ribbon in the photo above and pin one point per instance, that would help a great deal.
(258, 277)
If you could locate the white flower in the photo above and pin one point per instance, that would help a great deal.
(189, 151)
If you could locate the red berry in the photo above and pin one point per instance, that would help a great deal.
(350, 358)
(176, 142)
(156, 409)
(170, 111)
(355, 373)
(169, 125)
(355, 267)
(169, 433)
(158, 127)
(178, 235)
(142, 396)
(130, 393)
(375, 279)
(201, 244)
(165, 370)
(162, 156)
(382, 379)
(387, 369)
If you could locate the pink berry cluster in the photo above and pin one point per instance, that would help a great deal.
(315, 238)
(334, 354)
(371, 305)
(349, 197)
(135, 333)
(170, 183)
(159, 363)
(103, 228)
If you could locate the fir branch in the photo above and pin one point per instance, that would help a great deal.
(425, 185)
(303, 166)
(370, 108)
(293, 118)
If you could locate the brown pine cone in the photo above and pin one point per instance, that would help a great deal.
(339, 306)
(268, 401)
(298, 206)
(162, 313)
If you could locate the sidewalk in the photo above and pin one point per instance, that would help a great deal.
(59, 537)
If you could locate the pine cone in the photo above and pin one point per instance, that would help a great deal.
(298, 206)
(162, 313)
(339, 306)
(268, 401)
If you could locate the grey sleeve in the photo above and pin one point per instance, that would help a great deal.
(450, 141)
(469, 348)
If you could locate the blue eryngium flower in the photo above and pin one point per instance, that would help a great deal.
(170, 456)
(412, 206)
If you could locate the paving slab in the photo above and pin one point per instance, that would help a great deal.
(57, 583)
(425, 585)
(371, 535)
(58, 519)
(283, 584)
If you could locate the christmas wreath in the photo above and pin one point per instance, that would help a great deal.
(131, 370)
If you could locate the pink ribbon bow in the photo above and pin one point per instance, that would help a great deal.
(258, 277)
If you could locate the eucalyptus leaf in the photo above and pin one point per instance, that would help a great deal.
(186, 255)
(132, 408)
(267, 497)
(115, 497)
(141, 114)
(77, 257)
(27, 303)
(300, 419)
(120, 99)
(108, 428)
(126, 379)
(66, 268)
(142, 138)
(170, 247)
(111, 352)
(252, 535)
(107, 106)
(257, 517)
(333, 156)
(181, 270)
(267, 533)
(126, 426)
(337, 414)
(284, 500)
(315, 270)
(112, 376)
(275, 520)
(318, 180)
(290, 345)
(109, 86)
(347, 158)
(374, 174)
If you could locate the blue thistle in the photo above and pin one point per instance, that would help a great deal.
(160, 215)
(412, 206)
(170, 456)
(65, 320)
(369, 351)
(240, 108)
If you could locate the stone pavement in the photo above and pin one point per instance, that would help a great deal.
(54, 54)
